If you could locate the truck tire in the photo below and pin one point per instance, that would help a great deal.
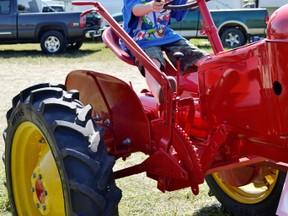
(232, 37)
(53, 42)
(248, 200)
(74, 46)
(54, 161)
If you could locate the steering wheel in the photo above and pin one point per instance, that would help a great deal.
(193, 4)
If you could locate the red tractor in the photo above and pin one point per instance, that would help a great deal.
(225, 124)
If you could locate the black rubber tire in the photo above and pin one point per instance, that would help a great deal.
(74, 46)
(53, 42)
(233, 37)
(86, 175)
(267, 207)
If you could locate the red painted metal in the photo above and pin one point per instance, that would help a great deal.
(277, 27)
(209, 27)
(114, 104)
(229, 115)
(40, 191)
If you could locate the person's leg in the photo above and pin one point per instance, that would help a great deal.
(156, 55)
(192, 54)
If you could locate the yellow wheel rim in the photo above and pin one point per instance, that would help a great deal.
(252, 193)
(36, 182)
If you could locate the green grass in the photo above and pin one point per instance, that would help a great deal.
(141, 197)
(4, 204)
(32, 52)
(140, 194)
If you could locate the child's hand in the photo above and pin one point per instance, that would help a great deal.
(157, 5)
(143, 9)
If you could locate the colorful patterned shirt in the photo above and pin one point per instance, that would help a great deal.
(151, 29)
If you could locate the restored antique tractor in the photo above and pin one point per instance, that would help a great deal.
(226, 123)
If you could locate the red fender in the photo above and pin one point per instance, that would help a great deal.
(116, 107)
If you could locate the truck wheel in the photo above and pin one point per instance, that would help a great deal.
(55, 161)
(232, 37)
(53, 42)
(260, 197)
(74, 46)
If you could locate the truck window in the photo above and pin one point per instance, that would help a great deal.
(28, 6)
(53, 8)
(4, 6)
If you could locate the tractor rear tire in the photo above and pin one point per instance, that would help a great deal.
(55, 159)
(248, 200)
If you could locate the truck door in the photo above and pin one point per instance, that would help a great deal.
(8, 25)
(191, 26)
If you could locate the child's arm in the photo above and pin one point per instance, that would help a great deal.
(143, 9)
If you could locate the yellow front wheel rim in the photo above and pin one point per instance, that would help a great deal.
(36, 182)
(252, 193)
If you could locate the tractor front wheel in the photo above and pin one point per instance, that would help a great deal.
(55, 159)
(258, 197)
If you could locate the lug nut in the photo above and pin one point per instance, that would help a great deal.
(42, 141)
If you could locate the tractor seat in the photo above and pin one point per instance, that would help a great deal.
(112, 41)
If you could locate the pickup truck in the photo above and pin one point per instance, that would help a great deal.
(235, 26)
(22, 21)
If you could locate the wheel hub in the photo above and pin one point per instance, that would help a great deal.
(39, 192)
(36, 182)
(52, 44)
(259, 188)
(232, 39)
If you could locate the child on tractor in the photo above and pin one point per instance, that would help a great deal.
(146, 21)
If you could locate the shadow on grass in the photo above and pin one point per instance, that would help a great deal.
(10, 53)
(212, 210)
(204, 46)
